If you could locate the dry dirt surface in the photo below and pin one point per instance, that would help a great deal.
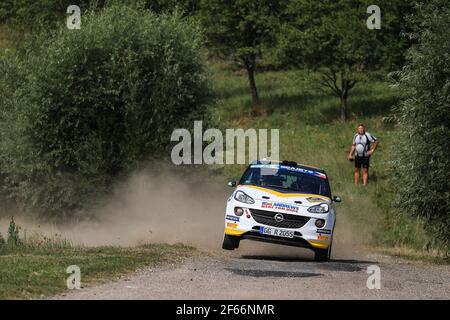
(258, 271)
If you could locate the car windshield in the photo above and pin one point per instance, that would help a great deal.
(287, 179)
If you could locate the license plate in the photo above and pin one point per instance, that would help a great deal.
(277, 232)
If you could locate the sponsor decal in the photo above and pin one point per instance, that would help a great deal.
(231, 225)
(322, 238)
(324, 231)
(232, 218)
(310, 172)
(279, 206)
(302, 170)
(267, 205)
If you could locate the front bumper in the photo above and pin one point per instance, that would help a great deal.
(296, 241)
(307, 236)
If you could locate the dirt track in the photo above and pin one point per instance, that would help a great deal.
(254, 271)
(242, 275)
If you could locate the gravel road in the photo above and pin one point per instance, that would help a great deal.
(245, 275)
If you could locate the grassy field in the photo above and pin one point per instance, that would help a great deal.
(311, 133)
(38, 269)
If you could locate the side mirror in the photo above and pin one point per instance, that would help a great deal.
(232, 184)
(337, 199)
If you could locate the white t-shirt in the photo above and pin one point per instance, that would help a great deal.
(364, 140)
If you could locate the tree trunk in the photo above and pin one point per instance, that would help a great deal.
(251, 80)
(343, 108)
(344, 96)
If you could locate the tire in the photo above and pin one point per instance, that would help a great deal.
(323, 255)
(230, 242)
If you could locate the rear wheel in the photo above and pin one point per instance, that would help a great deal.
(230, 242)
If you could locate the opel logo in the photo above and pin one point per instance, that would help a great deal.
(279, 217)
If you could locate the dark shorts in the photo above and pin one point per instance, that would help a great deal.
(362, 161)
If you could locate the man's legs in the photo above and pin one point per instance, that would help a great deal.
(365, 168)
(356, 176)
(365, 175)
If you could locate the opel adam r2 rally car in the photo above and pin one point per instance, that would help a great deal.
(283, 203)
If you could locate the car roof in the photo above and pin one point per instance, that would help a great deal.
(289, 163)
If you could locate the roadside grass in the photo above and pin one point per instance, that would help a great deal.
(311, 133)
(36, 267)
(429, 256)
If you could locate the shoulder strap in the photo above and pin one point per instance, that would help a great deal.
(368, 142)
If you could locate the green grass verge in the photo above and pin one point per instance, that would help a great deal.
(35, 271)
(430, 256)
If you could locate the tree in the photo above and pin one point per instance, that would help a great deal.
(332, 37)
(81, 108)
(421, 170)
(241, 29)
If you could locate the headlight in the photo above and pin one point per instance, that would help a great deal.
(243, 197)
(321, 208)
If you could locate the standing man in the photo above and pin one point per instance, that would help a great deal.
(363, 146)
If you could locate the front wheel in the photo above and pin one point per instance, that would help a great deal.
(230, 242)
(323, 254)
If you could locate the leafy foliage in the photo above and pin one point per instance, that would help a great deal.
(82, 107)
(40, 14)
(332, 37)
(422, 165)
(35, 15)
(240, 29)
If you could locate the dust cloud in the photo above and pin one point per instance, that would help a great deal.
(150, 207)
(171, 207)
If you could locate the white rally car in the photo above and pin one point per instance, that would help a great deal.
(284, 203)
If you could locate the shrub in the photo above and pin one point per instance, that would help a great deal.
(82, 107)
(422, 166)
(13, 234)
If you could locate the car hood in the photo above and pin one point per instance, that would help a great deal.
(273, 196)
